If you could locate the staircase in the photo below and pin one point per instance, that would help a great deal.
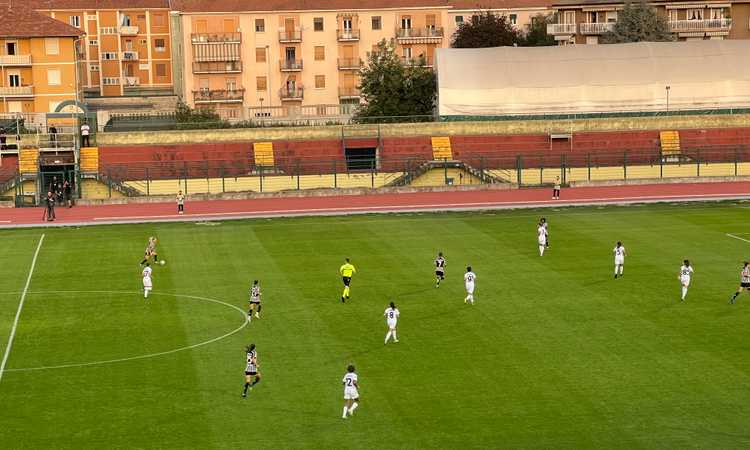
(670, 145)
(441, 148)
(263, 154)
(407, 178)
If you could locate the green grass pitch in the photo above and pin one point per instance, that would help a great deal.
(555, 353)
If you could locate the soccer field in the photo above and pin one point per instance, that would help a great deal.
(555, 352)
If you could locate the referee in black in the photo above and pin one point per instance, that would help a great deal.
(49, 211)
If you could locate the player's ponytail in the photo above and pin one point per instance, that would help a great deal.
(393, 306)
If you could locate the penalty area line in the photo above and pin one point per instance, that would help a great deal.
(737, 237)
(20, 308)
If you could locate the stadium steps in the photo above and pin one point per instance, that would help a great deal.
(28, 161)
(441, 148)
(263, 154)
(670, 145)
(484, 177)
(89, 159)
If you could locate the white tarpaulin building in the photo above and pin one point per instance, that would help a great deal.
(593, 78)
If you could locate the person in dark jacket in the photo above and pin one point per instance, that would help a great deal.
(49, 210)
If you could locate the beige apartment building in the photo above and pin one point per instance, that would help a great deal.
(127, 50)
(242, 61)
(584, 21)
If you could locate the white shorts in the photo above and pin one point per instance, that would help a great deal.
(685, 282)
(147, 283)
(542, 240)
(350, 393)
(391, 324)
(470, 288)
(619, 260)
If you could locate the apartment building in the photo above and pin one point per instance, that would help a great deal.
(295, 52)
(127, 50)
(584, 21)
(38, 57)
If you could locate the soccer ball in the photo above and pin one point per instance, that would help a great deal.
(162, 262)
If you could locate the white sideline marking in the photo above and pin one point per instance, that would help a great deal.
(4, 221)
(20, 307)
(737, 237)
(425, 206)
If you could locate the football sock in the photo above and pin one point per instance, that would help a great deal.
(344, 415)
(387, 336)
(354, 406)
(145, 294)
(395, 338)
(259, 308)
(144, 261)
(684, 292)
(156, 258)
(736, 294)
(541, 250)
(346, 292)
(621, 269)
(257, 380)
(247, 385)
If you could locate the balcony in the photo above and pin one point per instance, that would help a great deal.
(556, 29)
(349, 92)
(347, 35)
(217, 67)
(700, 26)
(219, 96)
(17, 91)
(596, 28)
(131, 81)
(292, 94)
(129, 30)
(287, 37)
(290, 65)
(427, 35)
(130, 56)
(421, 61)
(210, 38)
(350, 63)
(15, 60)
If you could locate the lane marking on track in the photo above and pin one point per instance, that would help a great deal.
(150, 355)
(20, 308)
(5, 221)
(418, 206)
(737, 237)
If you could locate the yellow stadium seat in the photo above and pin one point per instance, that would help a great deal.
(28, 160)
(263, 154)
(441, 148)
(89, 159)
(670, 143)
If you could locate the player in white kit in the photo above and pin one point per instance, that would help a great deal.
(619, 252)
(147, 284)
(469, 279)
(541, 231)
(351, 392)
(686, 272)
(391, 318)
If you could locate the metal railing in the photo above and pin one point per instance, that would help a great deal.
(349, 63)
(561, 28)
(596, 28)
(15, 60)
(349, 92)
(347, 35)
(290, 36)
(217, 67)
(209, 38)
(700, 25)
(290, 65)
(423, 61)
(522, 169)
(129, 30)
(17, 91)
(296, 93)
(423, 32)
(218, 95)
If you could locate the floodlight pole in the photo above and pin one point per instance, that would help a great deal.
(667, 88)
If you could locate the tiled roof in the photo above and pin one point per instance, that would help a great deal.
(24, 22)
(198, 6)
(90, 5)
(562, 3)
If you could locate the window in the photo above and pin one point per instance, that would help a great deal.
(695, 14)
(94, 67)
(160, 45)
(513, 19)
(475, 18)
(161, 70)
(320, 81)
(109, 56)
(407, 52)
(10, 48)
(406, 22)
(75, 21)
(229, 26)
(260, 54)
(347, 23)
(260, 25)
(94, 42)
(459, 19)
(53, 77)
(52, 46)
(14, 79)
(261, 84)
(231, 84)
(109, 30)
(110, 81)
(144, 42)
(318, 24)
(320, 53)
(158, 19)
(430, 21)
(377, 23)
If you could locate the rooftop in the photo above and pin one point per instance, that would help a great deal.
(20, 21)
(89, 5)
(197, 6)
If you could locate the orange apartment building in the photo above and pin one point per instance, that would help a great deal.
(292, 53)
(584, 21)
(38, 57)
(127, 50)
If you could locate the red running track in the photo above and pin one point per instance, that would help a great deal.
(362, 204)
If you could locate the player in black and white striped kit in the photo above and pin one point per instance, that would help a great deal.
(252, 376)
(254, 301)
(744, 281)
(439, 269)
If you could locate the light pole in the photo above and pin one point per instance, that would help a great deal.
(261, 107)
(667, 88)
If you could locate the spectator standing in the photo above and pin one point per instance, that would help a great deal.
(53, 136)
(556, 189)
(3, 145)
(180, 203)
(85, 130)
(68, 192)
(49, 210)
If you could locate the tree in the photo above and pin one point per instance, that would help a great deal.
(537, 35)
(391, 87)
(638, 22)
(486, 29)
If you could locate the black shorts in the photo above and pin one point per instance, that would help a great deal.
(745, 285)
(346, 280)
(252, 374)
(439, 273)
